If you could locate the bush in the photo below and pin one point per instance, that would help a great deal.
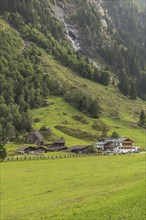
(37, 120)
(115, 135)
(81, 119)
(100, 126)
(92, 149)
(11, 153)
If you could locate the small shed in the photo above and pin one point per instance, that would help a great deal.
(59, 143)
(34, 137)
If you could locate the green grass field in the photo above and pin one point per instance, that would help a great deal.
(95, 188)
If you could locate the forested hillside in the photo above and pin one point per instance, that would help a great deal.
(114, 30)
(30, 28)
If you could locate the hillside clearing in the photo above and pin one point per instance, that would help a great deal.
(110, 98)
(61, 113)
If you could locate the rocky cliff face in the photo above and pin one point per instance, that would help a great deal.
(87, 37)
(109, 33)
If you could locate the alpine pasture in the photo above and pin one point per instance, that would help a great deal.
(102, 187)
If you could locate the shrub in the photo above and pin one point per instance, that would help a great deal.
(37, 120)
(100, 126)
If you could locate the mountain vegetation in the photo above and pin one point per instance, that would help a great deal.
(29, 29)
(118, 36)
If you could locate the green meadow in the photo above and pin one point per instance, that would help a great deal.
(95, 188)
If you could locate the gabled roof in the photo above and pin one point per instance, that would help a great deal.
(100, 143)
(104, 142)
(32, 147)
(25, 147)
(60, 141)
(80, 147)
(37, 134)
(43, 147)
(57, 148)
(119, 140)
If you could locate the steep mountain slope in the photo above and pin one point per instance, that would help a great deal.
(41, 59)
(113, 31)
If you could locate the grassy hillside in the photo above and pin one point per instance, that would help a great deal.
(61, 113)
(118, 112)
(77, 188)
(110, 97)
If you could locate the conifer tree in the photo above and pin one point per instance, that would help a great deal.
(124, 86)
(133, 92)
(95, 109)
(115, 135)
(142, 118)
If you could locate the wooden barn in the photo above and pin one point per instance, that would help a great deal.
(32, 150)
(59, 143)
(26, 150)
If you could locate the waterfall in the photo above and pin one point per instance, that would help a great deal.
(72, 36)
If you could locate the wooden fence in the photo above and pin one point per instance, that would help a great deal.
(43, 157)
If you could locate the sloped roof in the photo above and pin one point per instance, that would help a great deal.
(57, 148)
(25, 147)
(80, 147)
(119, 140)
(32, 147)
(100, 143)
(37, 134)
(43, 147)
(60, 141)
(104, 142)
